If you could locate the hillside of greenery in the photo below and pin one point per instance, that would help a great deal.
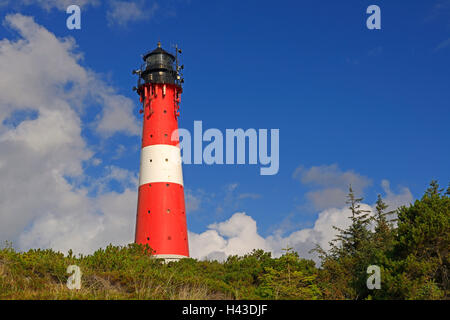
(412, 253)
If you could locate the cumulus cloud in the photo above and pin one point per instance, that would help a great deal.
(239, 235)
(396, 200)
(118, 115)
(84, 224)
(39, 207)
(330, 183)
(44, 73)
(121, 13)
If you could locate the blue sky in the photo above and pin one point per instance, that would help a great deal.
(351, 104)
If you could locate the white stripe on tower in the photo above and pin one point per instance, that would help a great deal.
(160, 163)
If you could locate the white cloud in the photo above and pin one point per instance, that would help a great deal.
(96, 161)
(193, 202)
(85, 224)
(321, 233)
(44, 74)
(331, 184)
(118, 13)
(125, 178)
(327, 198)
(51, 4)
(118, 115)
(39, 207)
(330, 176)
(394, 200)
(239, 235)
(121, 13)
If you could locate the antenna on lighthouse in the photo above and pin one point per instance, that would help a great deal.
(179, 75)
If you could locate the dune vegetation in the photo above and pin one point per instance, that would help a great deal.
(411, 253)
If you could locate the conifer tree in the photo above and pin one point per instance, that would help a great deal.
(433, 190)
(383, 235)
(352, 239)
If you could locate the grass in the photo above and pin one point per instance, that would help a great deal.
(131, 272)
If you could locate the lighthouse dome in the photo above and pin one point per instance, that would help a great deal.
(159, 66)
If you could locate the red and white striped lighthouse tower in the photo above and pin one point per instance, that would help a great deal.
(161, 215)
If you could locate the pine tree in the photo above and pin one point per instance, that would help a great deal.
(433, 190)
(353, 238)
(383, 228)
(350, 253)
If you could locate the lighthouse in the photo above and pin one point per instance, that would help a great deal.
(161, 214)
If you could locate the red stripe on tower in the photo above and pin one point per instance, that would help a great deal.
(161, 214)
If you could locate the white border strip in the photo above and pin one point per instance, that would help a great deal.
(169, 257)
